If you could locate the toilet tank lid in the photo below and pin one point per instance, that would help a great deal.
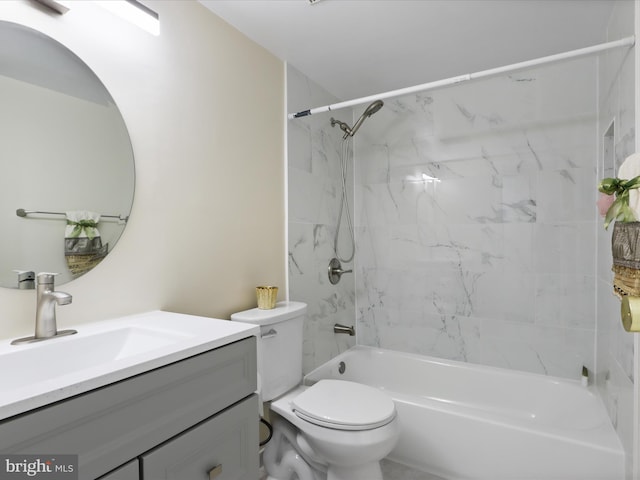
(283, 311)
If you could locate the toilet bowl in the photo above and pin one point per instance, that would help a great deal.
(349, 446)
(332, 430)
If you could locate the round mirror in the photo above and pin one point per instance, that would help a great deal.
(67, 179)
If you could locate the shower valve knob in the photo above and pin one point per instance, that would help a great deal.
(335, 271)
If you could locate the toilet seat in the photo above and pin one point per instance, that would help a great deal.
(344, 405)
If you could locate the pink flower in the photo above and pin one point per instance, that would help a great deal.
(604, 202)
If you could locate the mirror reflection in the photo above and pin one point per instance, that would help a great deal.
(67, 180)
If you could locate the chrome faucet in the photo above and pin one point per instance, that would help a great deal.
(337, 328)
(46, 300)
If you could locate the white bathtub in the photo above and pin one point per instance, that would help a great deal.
(463, 421)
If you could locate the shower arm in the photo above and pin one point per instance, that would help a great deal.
(343, 126)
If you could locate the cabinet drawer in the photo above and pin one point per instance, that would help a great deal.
(111, 425)
(225, 445)
(130, 471)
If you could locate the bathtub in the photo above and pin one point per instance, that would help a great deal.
(463, 421)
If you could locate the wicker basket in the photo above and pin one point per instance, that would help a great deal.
(80, 264)
(625, 247)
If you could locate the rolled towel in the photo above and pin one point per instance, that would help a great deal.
(629, 169)
(83, 248)
(81, 236)
(82, 224)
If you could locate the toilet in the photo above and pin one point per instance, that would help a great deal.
(332, 430)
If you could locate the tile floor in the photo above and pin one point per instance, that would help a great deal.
(397, 471)
(391, 471)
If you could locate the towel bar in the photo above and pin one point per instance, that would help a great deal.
(21, 212)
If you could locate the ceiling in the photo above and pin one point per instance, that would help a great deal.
(355, 48)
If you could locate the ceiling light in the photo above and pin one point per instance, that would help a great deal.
(134, 12)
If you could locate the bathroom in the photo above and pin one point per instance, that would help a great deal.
(201, 260)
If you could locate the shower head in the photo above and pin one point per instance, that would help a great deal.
(370, 110)
(373, 108)
(350, 132)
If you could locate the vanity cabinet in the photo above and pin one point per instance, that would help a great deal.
(129, 471)
(178, 421)
(222, 447)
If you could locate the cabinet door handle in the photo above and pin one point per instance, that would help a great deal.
(215, 471)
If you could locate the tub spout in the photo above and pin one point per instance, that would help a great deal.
(337, 328)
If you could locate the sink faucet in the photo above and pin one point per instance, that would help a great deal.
(47, 298)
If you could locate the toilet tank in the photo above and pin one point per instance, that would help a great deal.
(280, 346)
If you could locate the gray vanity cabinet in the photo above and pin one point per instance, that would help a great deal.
(221, 448)
(167, 423)
(130, 471)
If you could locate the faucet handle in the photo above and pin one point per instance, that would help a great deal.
(24, 275)
(45, 278)
(25, 279)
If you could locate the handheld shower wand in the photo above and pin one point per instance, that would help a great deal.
(351, 131)
(370, 110)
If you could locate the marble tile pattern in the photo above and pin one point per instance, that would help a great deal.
(314, 181)
(493, 262)
(616, 134)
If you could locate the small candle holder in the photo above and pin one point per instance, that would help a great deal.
(266, 296)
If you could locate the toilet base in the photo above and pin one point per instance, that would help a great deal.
(284, 460)
(287, 456)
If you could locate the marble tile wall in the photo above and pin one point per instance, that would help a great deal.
(493, 262)
(616, 136)
(314, 181)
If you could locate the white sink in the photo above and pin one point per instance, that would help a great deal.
(35, 374)
(51, 359)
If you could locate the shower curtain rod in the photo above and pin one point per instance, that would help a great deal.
(627, 41)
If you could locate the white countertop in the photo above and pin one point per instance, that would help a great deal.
(37, 374)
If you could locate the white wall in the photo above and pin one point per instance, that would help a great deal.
(204, 109)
